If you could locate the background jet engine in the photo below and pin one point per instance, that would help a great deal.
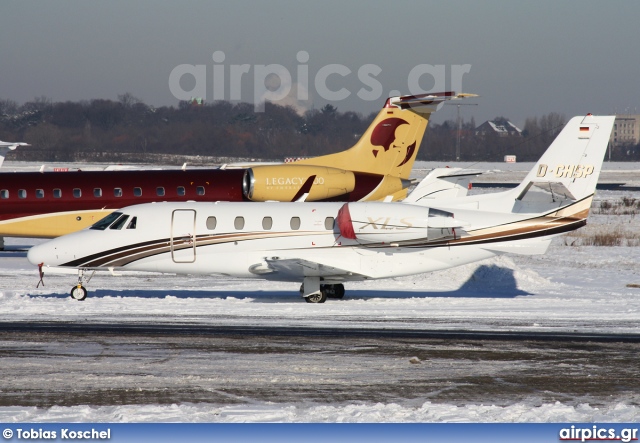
(284, 182)
(385, 223)
(275, 182)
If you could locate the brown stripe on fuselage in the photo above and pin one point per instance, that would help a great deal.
(121, 256)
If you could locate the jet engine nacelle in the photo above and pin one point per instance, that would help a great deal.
(382, 223)
(283, 182)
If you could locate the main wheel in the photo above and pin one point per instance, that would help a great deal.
(320, 297)
(333, 291)
(78, 292)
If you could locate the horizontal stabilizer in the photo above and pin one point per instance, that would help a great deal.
(429, 102)
(442, 183)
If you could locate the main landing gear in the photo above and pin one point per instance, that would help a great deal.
(314, 292)
(79, 292)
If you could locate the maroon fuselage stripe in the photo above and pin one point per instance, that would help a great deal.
(218, 185)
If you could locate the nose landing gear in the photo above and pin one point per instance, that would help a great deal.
(79, 292)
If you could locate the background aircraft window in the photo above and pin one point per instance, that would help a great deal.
(57, 193)
(137, 192)
(4, 193)
(238, 223)
(22, 193)
(267, 223)
(212, 222)
(328, 223)
(97, 192)
(295, 223)
(200, 190)
(180, 190)
(160, 191)
(77, 192)
(133, 223)
(39, 193)
(102, 224)
(118, 224)
(117, 192)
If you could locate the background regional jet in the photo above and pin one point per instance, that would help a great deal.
(323, 245)
(377, 167)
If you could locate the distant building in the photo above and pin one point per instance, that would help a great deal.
(626, 130)
(501, 127)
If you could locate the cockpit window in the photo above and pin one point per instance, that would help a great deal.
(133, 223)
(105, 222)
(119, 223)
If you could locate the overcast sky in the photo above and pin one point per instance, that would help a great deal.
(526, 58)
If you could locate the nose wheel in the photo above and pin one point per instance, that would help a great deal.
(78, 292)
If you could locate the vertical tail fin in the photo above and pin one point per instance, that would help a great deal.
(391, 143)
(569, 169)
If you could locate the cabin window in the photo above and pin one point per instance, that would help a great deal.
(180, 190)
(238, 223)
(295, 223)
(39, 193)
(22, 193)
(133, 223)
(105, 222)
(267, 223)
(160, 191)
(57, 193)
(117, 192)
(4, 193)
(212, 222)
(200, 190)
(137, 192)
(77, 192)
(328, 223)
(119, 223)
(97, 192)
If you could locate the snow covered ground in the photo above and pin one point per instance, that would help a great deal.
(351, 413)
(571, 288)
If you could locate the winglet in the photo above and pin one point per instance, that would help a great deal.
(5, 147)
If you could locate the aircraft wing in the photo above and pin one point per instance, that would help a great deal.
(295, 269)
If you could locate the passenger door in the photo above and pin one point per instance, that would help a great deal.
(183, 236)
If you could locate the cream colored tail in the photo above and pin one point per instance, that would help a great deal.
(391, 143)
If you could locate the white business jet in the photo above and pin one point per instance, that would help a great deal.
(323, 245)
